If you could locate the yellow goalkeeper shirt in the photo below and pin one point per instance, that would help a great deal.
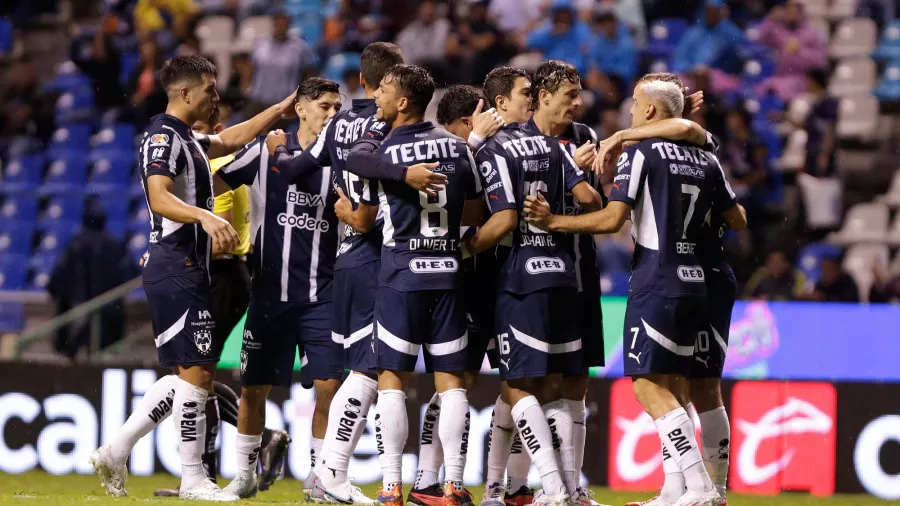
(238, 202)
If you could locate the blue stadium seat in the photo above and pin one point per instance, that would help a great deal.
(340, 63)
(118, 136)
(15, 238)
(13, 272)
(41, 269)
(21, 145)
(811, 256)
(6, 39)
(74, 104)
(110, 170)
(66, 171)
(139, 221)
(615, 284)
(118, 229)
(18, 209)
(889, 47)
(664, 35)
(67, 209)
(757, 70)
(12, 316)
(137, 244)
(116, 206)
(22, 174)
(71, 136)
(889, 89)
(54, 238)
(129, 62)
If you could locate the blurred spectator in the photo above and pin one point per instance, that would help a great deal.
(657, 9)
(145, 92)
(424, 40)
(885, 288)
(239, 82)
(820, 126)
(515, 15)
(475, 45)
(629, 12)
(798, 46)
(746, 159)
(100, 61)
(350, 86)
(92, 263)
(835, 285)
(175, 16)
(23, 109)
(238, 9)
(713, 41)
(279, 64)
(715, 110)
(777, 280)
(612, 59)
(563, 37)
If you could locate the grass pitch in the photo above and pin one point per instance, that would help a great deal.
(39, 489)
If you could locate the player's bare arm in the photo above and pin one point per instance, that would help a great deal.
(484, 125)
(735, 218)
(607, 221)
(362, 219)
(498, 226)
(587, 197)
(473, 213)
(676, 129)
(164, 203)
(233, 138)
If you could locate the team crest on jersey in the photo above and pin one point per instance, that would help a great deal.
(159, 140)
(203, 341)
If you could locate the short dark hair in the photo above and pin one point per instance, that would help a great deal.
(314, 87)
(414, 83)
(185, 68)
(459, 101)
(376, 59)
(501, 81)
(551, 75)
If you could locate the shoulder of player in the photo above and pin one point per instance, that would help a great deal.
(584, 132)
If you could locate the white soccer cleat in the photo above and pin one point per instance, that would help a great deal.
(310, 482)
(244, 486)
(544, 499)
(206, 490)
(341, 494)
(584, 497)
(112, 474)
(696, 499)
(494, 495)
(656, 501)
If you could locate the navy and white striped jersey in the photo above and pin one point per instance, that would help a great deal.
(672, 188)
(587, 274)
(332, 148)
(421, 233)
(293, 225)
(709, 246)
(170, 148)
(520, 161)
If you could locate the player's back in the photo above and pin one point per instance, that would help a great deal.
(671, 187)
(421, 242)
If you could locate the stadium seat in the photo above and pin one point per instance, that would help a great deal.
(794, 157)
(119, 136)
(54, 238)
(852, 76)
(6, 38)
(66, 171)
(889, 89)
(816, 9)
(62, 209)
(15, 238)
(214, 32)
(139, 221)
(13, 272)
(21, 145)
(137, 244)
(129, 61)
(116, 206)
(842, 9)
(110, 170)
(68, 78)
(893, 234)
(853, 37)
(811, 256)
(22, 174)
(858, 117)
(859, 261)
(892, 197)
(254, 28)
(664, 35)
(41, 268)
(757, 70)
(71, 136)
(18, 209)
(340, 63)
(889, 46)
(117, 229)
(822, 26)
(866, 222)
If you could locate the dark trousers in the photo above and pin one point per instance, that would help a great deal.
(230, 293)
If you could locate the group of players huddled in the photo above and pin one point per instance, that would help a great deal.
(376, 233)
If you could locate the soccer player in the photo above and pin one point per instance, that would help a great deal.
(179, 189)
(230, 296)
(417, 302)
(295, 244)
(670, 188)
(455, 114)
(537, 332)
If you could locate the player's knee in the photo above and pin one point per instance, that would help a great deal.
(444, 381)
(254, 398)
(470, 379)
(706, 394)
(574, 387)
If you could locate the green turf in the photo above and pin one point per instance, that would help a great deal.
(38, 488)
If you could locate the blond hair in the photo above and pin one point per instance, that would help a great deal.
(665, 89)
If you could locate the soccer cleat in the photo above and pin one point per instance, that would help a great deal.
(166, 492)
(656, 501)
(493, 495)
(310, 482)
(342, 494)
(431, 495)
(454, 496)
(206, 490)
(393, 497)
(696, 499)
(244, 485)
(522, 497)
(271, 459)
(584, 497)
(112, 474)
(544, 499)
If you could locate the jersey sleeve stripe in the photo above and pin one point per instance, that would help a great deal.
(474, 167)
(571, 160)
(715, 160)
(239, 163)
(637, 167)
(317, 148)
(503, 170)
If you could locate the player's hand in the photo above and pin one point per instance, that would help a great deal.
(224, 238)
(421, 177)
(343, 208)
(608, 151)
(144, 258)
(486, 123)
(693, 103)
(536, 211)
(275, 139)
(286, 106)
(584, 155)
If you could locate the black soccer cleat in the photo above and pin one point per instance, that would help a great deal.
(271, 459)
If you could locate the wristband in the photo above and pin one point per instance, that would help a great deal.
(475, 140)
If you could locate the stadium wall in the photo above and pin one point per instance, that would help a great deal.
(787, 435)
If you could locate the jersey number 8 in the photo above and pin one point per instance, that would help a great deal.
(434, 221)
